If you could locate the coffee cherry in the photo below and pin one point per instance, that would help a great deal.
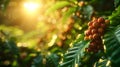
(95, 36)
(101, 30)
(60, 43)
(100, 47)
(98, 41)
(90, 37)
(102, 25)
(78, 13)
(90, 23)
(92, 46)
(90, 27)
(89, 50)
(86, 38)
(94, 19)
(101, 20)
(107, 22)
(82, 3)
(93, 31)
(95, 24)
(62, 37)
(92, 43)
(95, 51)
(87, 32)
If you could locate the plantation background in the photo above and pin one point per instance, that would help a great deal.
(50, 33)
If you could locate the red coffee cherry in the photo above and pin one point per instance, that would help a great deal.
(95, 36)
(93, 31)
(96, 29)
(87, 32)
(101, 30)
(90, 27)
(92, 43)
(95, 24)
(94, 19)
(92, 46)
(90, 23)
(89, 50)
(103, 25)
(101, 20)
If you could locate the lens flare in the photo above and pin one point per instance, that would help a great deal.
(31, 6)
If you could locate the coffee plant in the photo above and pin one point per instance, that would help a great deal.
(87, 34)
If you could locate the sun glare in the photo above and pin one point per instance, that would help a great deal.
(31, 6)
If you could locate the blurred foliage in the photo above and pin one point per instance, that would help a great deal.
(115, 17)
(116, 2)
(4, 4)
(54, 35)
(112, 44)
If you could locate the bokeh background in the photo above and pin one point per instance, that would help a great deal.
(36, 33)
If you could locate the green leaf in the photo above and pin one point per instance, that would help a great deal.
(116, 3)
(73, 1)
(38, 61)
(73, 56)
(112, 43)
(5, 4)
(58, 5)
(102, 63)
(52, 60)
(115, 17)
(88, 11)
(12, 46)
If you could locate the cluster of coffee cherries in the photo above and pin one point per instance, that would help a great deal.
(63, 36)
(95, 31)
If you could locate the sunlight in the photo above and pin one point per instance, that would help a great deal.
(31, 6)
